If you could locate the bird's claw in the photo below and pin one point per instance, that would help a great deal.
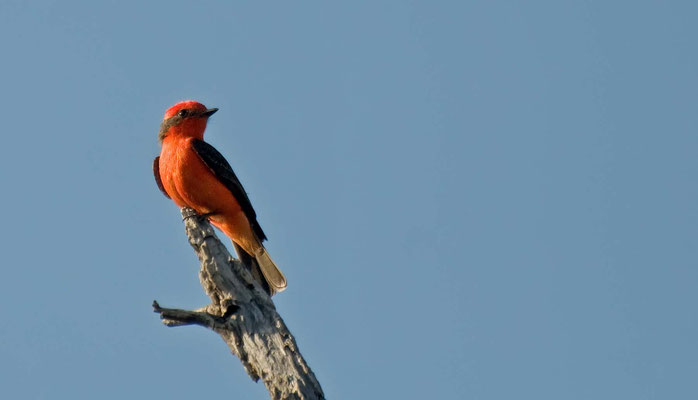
(202, 216)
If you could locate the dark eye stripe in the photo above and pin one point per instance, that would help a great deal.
(174, 120)
(167, 124)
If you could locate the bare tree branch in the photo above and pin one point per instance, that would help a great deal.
(243, 315)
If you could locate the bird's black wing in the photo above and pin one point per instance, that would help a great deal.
(156, 172)
(224, 172)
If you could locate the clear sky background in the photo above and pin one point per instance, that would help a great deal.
(470, 199)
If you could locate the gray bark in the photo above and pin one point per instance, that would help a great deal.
(243, 315)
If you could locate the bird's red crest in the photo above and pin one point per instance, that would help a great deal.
(187, 104)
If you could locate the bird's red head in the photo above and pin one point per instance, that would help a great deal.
(185, 119)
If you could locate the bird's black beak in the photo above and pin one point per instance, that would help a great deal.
(209, 112)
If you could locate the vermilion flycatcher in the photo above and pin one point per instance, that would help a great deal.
(194, 174)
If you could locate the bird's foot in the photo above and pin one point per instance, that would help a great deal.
(193, 214)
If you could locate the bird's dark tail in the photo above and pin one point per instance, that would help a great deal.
(272, 274)
(263, 269)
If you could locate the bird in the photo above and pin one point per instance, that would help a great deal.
(194, 174)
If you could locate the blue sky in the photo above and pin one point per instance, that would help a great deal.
(481, 199)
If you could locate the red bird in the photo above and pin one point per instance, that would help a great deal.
(194, 174)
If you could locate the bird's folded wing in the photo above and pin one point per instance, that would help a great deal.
(224, 172)
(156, 172)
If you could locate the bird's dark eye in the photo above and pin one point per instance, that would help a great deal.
(182, 113)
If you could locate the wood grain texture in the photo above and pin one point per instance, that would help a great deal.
(245, 317)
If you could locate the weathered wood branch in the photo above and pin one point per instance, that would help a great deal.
(243, 315)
